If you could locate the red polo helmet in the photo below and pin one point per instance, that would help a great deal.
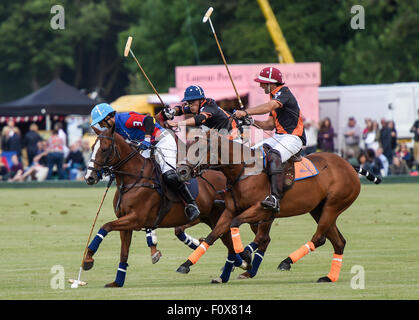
(269, 75)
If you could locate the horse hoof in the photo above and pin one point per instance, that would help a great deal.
(247, 257)
(217, 280)
(112, 285)
(183, 269)
(156, 257)
(324, 279)
(285, 264)
(244, 275)
(88, 264)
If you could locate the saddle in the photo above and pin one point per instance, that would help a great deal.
(167, 195)
(289, 167)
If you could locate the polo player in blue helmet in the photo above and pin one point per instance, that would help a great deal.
(143, 130)
(206, 112)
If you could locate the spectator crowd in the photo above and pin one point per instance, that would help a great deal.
(33, 158)
(374, 147)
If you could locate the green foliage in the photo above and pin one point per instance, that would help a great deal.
(89, 51)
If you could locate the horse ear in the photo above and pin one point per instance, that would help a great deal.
(96, 130)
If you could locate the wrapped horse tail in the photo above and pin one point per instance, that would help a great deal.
(371, 177)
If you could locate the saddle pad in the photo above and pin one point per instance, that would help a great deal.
(305, 169)
(192, 185)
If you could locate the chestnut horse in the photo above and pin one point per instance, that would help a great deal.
(137, 202)
(325, 196)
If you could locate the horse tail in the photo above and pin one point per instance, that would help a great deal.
(367, 174)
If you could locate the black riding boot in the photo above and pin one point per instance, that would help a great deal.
(179, 187)
(276, 174)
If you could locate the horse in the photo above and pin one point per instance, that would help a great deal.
(137, 201)
(325, 196)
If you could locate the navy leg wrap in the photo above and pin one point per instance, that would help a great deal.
(238, 260)
(94, 245)
(121, 273)
(228, 267)
(188, 240)
(257, 260)
(251, 247)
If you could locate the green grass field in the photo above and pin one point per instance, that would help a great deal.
(43, 228)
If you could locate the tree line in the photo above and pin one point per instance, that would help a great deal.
(88, 52)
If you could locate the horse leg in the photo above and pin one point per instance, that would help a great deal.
(233, 259)
(126, 237)
(221, 227)
(127, 222)
(190, 241)
(326, 221)
(151, 238)
(254, 214)
(263, 239)
(338, 242)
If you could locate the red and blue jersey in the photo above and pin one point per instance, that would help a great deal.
(130, 125)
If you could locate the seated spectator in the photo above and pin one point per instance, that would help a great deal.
(398, 167)
(404, 153)
(4, 172)
(373, 164)
(384, 161)
(350, 157)
(16, 168)
(74, 165)
(38, 170)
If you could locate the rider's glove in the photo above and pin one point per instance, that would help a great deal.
(169, 113)
(145, 144)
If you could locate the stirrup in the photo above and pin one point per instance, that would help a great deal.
(271, 202)
(192, 211)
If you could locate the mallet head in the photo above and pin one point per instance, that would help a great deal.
(207, 14)
(128, 46)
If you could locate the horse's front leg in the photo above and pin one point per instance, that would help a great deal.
(127, 222)
(221, 227)
(126, 237)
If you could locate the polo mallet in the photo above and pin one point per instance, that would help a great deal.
(206, 18)
(76, 283)
(126, 52)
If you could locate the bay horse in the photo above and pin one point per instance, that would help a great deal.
(137, 201)
(325, 196)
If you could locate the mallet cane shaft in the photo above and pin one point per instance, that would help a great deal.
(128, 50)
(94, 222)
(208, 17)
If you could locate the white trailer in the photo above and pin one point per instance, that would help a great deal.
(397, 101)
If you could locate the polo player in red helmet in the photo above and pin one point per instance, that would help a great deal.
(285, 117)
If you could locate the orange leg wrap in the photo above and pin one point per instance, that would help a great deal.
(237, 241)
(197, 254)
(335, 268)
(302, 251)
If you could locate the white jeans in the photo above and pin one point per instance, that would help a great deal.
(286, 144)
(165, 153)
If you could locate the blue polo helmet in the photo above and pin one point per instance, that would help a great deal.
(100, 112)
(193, 93)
